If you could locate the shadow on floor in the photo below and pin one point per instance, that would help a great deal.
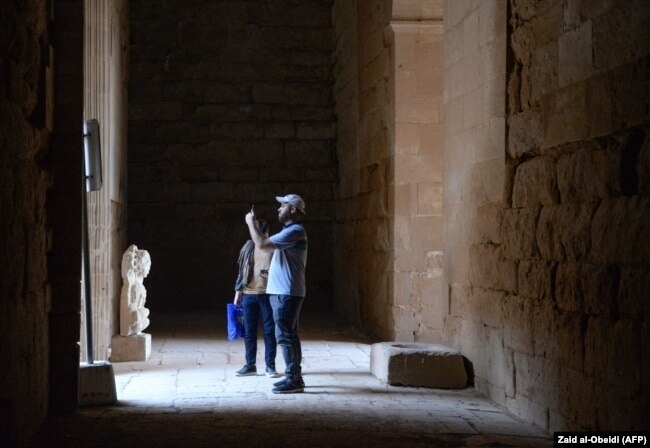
(187, 394)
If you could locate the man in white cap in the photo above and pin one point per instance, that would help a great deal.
(286, 284)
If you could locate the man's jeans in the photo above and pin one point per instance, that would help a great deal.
(286, 313)
(256, 305)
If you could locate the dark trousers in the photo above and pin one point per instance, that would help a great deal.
(256, 306)
(286, 313)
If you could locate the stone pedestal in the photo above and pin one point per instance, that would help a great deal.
(136, 347)
(96, 384)
(418, 364)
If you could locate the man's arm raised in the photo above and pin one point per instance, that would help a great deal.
(256, 234)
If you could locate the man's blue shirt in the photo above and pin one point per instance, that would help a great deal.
(287, 270)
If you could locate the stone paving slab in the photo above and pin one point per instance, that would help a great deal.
(187, 394)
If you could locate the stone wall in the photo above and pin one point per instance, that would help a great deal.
(548, 277)
(388, 228)
(474, 170)
(230, 104)
(40, 218)
(364, 110)
(24, 295)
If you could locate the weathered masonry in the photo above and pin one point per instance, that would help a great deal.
(476, 172)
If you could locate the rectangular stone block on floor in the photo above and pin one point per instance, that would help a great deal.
(418, 364)
(136, 347)
(96, 384)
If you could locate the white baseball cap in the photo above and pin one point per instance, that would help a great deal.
(294, 200)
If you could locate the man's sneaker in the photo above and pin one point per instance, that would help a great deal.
(289, 388)
(247, 371)
(300, 383)
(272, 373)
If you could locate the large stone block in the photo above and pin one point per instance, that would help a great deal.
(544, 70)
(599, 106)
(564, 231)
(433, 304)
(302, 112)
(528, 409)
(291, 93)
(526, 133)
(621, 231)
(535, 279)
(236, 131)
(613, 35)
(518, 320)
(459, 303)
(558, 335)
(136, 347)
(487, 181)
(629, 94)
(487, 224)
(96, 384)
(535, 377)
(535, 183)
(578, 403)
(429, 198)
(426, 233)
(588, 174)
(489, 270)
(587, 288)
(279, 130)
(314, 153)
(487, 307)
(205, 113)
(418, 364)
(575, 50)
(620, 408)
(612, 353)
(566, 115)
(633, 293)
(518, 230)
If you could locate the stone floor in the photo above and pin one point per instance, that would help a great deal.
(187, 394)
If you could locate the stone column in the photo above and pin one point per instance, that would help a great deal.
(106, 40)
(415, 190)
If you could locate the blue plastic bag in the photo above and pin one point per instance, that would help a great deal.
(235, 316)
